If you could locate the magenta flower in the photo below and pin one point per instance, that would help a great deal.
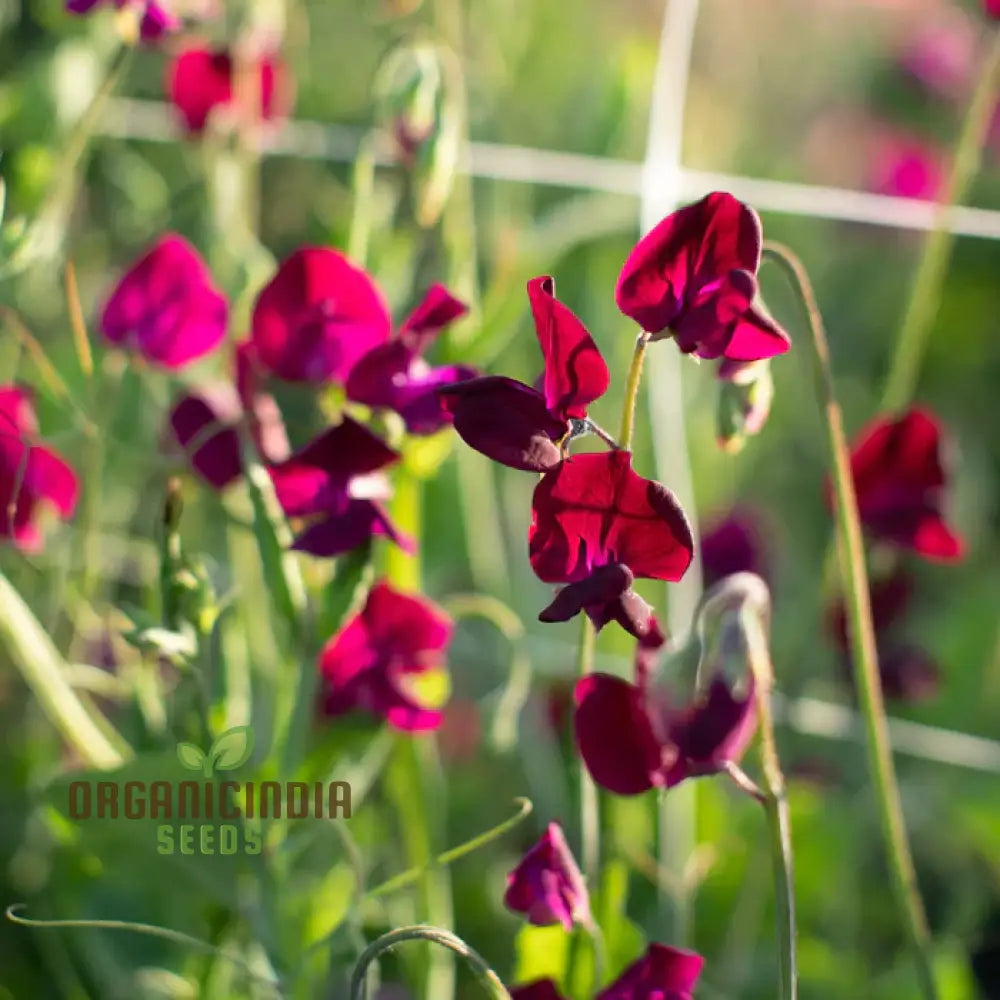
(942, 53)
(199, 80)
(31, 475)
(205, 423)
(694, 277)
(335, 482)
(900, 480)
(155, 20)
(731, 545)
(992, 7)
(596, 525)
(521, 426)
(632, 739)
(547, 885)
(663, 973)
(166, 307)
(369, 664)
(317, 316)
(394, 376)
(906, 167)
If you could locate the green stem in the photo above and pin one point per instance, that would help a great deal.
(44, 671)
(864, 657)
(632, 383)
(436, 935)
(363, 200)
(928, 281)
(590, 805)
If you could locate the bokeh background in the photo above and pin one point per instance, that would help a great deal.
(825, 92)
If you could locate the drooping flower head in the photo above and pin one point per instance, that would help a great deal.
(597, 525)
(166, 307)
(632, 737)
(900, 481)
(547, 885)
(205, 424)
(336, 482)
(317, 316)
(200, 80)
(395, 376)
(694, 277)
(31, 475)
(371, 663)
(521, 426)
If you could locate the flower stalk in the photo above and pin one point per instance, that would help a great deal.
(864, 657)
(632, 383)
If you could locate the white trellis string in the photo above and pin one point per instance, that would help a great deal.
(153, 121)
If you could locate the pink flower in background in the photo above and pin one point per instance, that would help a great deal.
(547, 885)
(336, 482)
(905, 167)
(165, 307)
(596, 525)
(155, 20)
(200, 80)
(395, 376)
(941, 54)
(900, 483)
(31, 475)
(317, 317)
(522, 426)
(694, 277)
(992, 7)
(369, 664)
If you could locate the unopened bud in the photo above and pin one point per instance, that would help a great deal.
(407, 94)
(745, 395)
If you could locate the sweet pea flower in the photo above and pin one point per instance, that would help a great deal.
(521, 426)
(370, 663)
(336, 482)
(200, 80)
(941, 54)
(663, 973)
(905, 167)
(596, 525)
(694, 277)
(166, 307)
(632, 738)
(900, 480)
(31, 475)
(992, 7)
(317, 316)
(155, 20)
(205, 423)
(395, 376)
(547, 885)
(732, 544)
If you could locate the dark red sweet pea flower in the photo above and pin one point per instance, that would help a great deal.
(205, 423)
(395, 376)
(336, 482)
(369, 664)
(166, 307)
(31, 475)
(522, 426)
(596, 525)
(694, 277)
(890, 597)
(547, 885)
(900, 480)
(732, 544)
(663, 973)
(540, 989)
(317, 316)
(632, 739)
(992, 7)
(199, 80)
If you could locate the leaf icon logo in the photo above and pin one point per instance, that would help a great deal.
(231, 750)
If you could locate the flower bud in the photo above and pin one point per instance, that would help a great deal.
(744, 402)
(407, 89)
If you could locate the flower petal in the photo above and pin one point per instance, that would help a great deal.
(438, 309)
(663, 973)
(342, 532)
(575, 372)
(205, 424)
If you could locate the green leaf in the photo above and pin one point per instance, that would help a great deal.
(541, 953)
(232, 749)
(190, 756)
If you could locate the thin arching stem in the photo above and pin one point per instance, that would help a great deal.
(864, 657)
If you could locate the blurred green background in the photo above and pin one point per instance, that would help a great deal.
(787, 90)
